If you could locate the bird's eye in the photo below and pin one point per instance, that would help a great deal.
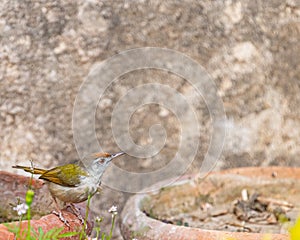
(101, 161)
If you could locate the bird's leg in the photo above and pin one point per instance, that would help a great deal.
(76, 211)
(58, 213)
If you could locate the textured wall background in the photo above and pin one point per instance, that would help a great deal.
(250, 48)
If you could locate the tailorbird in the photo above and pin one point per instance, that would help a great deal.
(75, 182)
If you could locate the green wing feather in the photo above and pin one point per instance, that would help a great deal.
(68, 175)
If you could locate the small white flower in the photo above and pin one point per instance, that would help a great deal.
(98, 219)
(21, 209)
(113, 210)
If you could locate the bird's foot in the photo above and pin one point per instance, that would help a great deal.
(77, 212)
(61, 217)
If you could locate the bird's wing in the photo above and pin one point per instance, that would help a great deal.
(68, 175)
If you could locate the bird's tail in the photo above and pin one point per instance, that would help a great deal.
(30, 169)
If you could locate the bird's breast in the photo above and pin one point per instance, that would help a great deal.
(75, 194)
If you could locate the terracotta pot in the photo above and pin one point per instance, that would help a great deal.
(136, 224)
(15, 186)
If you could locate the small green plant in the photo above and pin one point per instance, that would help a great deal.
(30, 233)
(82, 234)
(53, 234)
(103, 236)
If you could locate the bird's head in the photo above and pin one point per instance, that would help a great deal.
(98, 162)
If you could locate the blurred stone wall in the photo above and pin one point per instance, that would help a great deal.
(251, 49)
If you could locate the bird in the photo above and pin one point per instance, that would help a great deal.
(74, 182)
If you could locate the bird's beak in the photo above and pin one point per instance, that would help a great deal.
(117, 155)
